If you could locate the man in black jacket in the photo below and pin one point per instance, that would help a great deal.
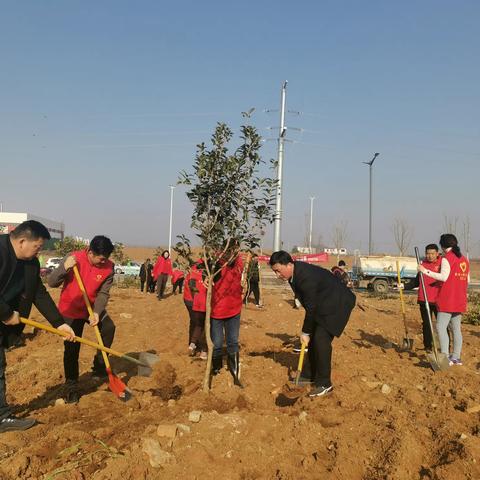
(20, 287)
(328, 304)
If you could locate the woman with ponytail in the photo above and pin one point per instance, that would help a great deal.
(452, 298)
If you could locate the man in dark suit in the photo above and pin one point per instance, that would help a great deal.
(328, 304)
(20, 287)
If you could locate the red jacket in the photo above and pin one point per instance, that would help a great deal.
(227, 291)
(162, 265)
(177, 275)
(200, 296)
(432, 286)
(452, 297)
(71, 303)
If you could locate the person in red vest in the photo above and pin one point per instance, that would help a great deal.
(96, 271)
(195, 298)
(161, 271)
(452, 297)
(227, 296)
(432, 262)
(178, 277)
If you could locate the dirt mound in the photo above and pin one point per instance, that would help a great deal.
(389, 415)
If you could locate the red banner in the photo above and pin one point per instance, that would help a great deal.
(308, 258)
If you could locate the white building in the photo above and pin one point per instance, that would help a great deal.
(9, 221)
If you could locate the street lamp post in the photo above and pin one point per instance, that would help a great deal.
(370, 166)
(311, 225)
(172, 187)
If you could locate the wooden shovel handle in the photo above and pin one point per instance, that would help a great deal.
(85, 341)
(300, 363)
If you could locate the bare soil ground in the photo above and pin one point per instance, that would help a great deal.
(423, 425)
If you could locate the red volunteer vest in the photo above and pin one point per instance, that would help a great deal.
(227, 292)
(162, 266)
(200, 297)
(71, 303)
(432, 286)
(187, 294)
(177, 275)
(452, 297)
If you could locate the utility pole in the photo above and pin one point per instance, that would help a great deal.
(370, 165)
(311, 225)
(277, 241)
(172, 187)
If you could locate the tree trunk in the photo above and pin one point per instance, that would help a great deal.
(208, 369)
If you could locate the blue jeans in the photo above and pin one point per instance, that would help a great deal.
(455, 320)
(231, 326)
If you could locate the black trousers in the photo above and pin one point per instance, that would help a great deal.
(320, 356)
(196, 328)
(178, 284)
(142, 284)
(72, 349)
(161, 284)
(255, 289)
(427, 333)
(4, 408)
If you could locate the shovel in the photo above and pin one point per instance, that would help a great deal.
(407, 342)
(114, 383)
(85, 341)
(438, 361)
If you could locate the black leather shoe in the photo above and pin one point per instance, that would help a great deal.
(12, 423)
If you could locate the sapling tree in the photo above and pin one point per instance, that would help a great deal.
(232, 202)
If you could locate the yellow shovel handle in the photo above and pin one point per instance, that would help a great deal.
(400, 288)
(300, 363)
(90, 312)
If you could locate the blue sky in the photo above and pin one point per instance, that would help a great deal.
(102, 103)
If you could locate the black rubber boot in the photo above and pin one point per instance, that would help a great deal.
(217, 364)
(234, 367)
(72, 394)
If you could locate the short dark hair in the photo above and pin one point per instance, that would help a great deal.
(31, 230)
(164, 252)
(282, 257)
(431, 246)
(341, 263)
(101, 245)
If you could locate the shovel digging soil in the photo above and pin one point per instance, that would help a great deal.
(407, 342)
(438, 361)
(144, 367)
(289, 395)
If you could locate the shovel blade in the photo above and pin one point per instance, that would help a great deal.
(407, 343)
(149, 359)
(118, 388)
(439, 362)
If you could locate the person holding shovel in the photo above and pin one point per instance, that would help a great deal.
(96, 271)
(432, 262)
(20, 287)
(452, 297)
(328, 303)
